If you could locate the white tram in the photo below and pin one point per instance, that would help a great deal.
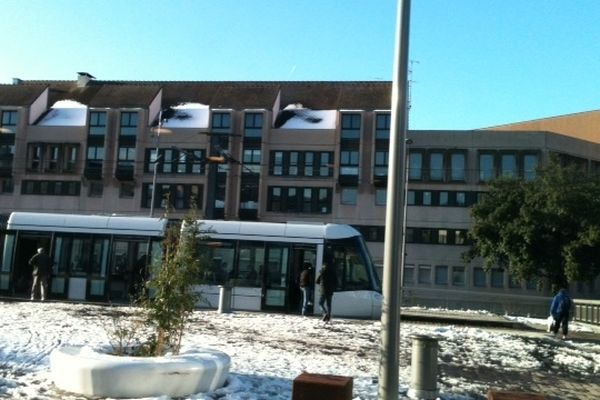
(105, 258)
(262, 262)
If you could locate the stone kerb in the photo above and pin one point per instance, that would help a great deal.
(83, 370)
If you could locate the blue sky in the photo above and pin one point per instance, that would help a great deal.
(475, 63)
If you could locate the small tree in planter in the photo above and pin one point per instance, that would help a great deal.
(171, 298)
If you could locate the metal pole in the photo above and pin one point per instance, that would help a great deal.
(393, 258)
(153, 196)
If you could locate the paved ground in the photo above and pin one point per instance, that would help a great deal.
(556, 384)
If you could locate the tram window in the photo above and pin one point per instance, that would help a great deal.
(351, 269)
(9, 241)
(80, 249)
(99, 257)
(222, 256)
(252, 255)
(71, 255)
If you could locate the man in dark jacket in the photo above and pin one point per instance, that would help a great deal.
(560, 309)
(306, 285)
(41, 264)
(327, 281)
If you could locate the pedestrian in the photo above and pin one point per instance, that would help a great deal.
(327, 281)
(41, 264)
(306, 285)
(560, 311)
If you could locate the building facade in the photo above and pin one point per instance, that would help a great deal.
(270, 151)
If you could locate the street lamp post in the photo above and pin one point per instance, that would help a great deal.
(393, 246)
(156, 160)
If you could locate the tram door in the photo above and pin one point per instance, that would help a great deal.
(281, 291)
(27, 245)
(301, 254)
(276, 272)
(127, 268)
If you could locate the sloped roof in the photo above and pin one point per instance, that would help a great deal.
(583, 125)
(317, 95)
(20, 96)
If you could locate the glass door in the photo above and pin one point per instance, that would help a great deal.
(276, 274)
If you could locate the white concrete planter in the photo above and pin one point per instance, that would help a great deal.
(80, 369)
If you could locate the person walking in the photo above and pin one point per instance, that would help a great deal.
(327, 281)
(560, 309)
(41, 264)
(306, 285)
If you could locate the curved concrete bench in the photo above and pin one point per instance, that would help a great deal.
(82, 370)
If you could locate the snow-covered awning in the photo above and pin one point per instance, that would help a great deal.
(188, 115)
(295, 116)
(65, 113)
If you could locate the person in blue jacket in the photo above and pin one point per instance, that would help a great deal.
(560, 311)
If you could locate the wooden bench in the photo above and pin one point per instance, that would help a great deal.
(322, 387)
(507, 395)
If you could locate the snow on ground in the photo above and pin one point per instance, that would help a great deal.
(269, 350)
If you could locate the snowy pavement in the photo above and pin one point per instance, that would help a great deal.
(269, 350)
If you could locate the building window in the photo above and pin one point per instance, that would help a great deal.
(129, 123)
(508, 165)
(457, 166)
(95, 189)
(221, 121)
(411, 197)
(97, 124)
(427, 198)
(409, 275)
(349, 163)
(497, 278)
(441, 275)
(381, 164)
(458, 276)
(460, 237)
(443, 198)
(443, 236)
(53, 188)
(382, 126)
(6, 185)
(70, 155)
(487, 170)
(52, 157)
(293, 163)
(7, 153)
(95, 157)
(461, 199)
(530, 164)
(277, 157)
(479, 277)
(126, 158)
(325, 164)
(415, 166)
(349, 196)
(380, 197)
(424, 274)
(350, 126)
(126, 190)
(312, 200)
(253, 123)
(436, 166)
(181, 196)
(8, 122)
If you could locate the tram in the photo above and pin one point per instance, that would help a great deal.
(262, 262)
(105, 259)
(96, 257)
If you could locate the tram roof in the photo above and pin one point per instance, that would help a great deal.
(104, 224)
(278, 229)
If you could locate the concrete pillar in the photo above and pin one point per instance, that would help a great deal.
(423, 379)
(224, 299)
